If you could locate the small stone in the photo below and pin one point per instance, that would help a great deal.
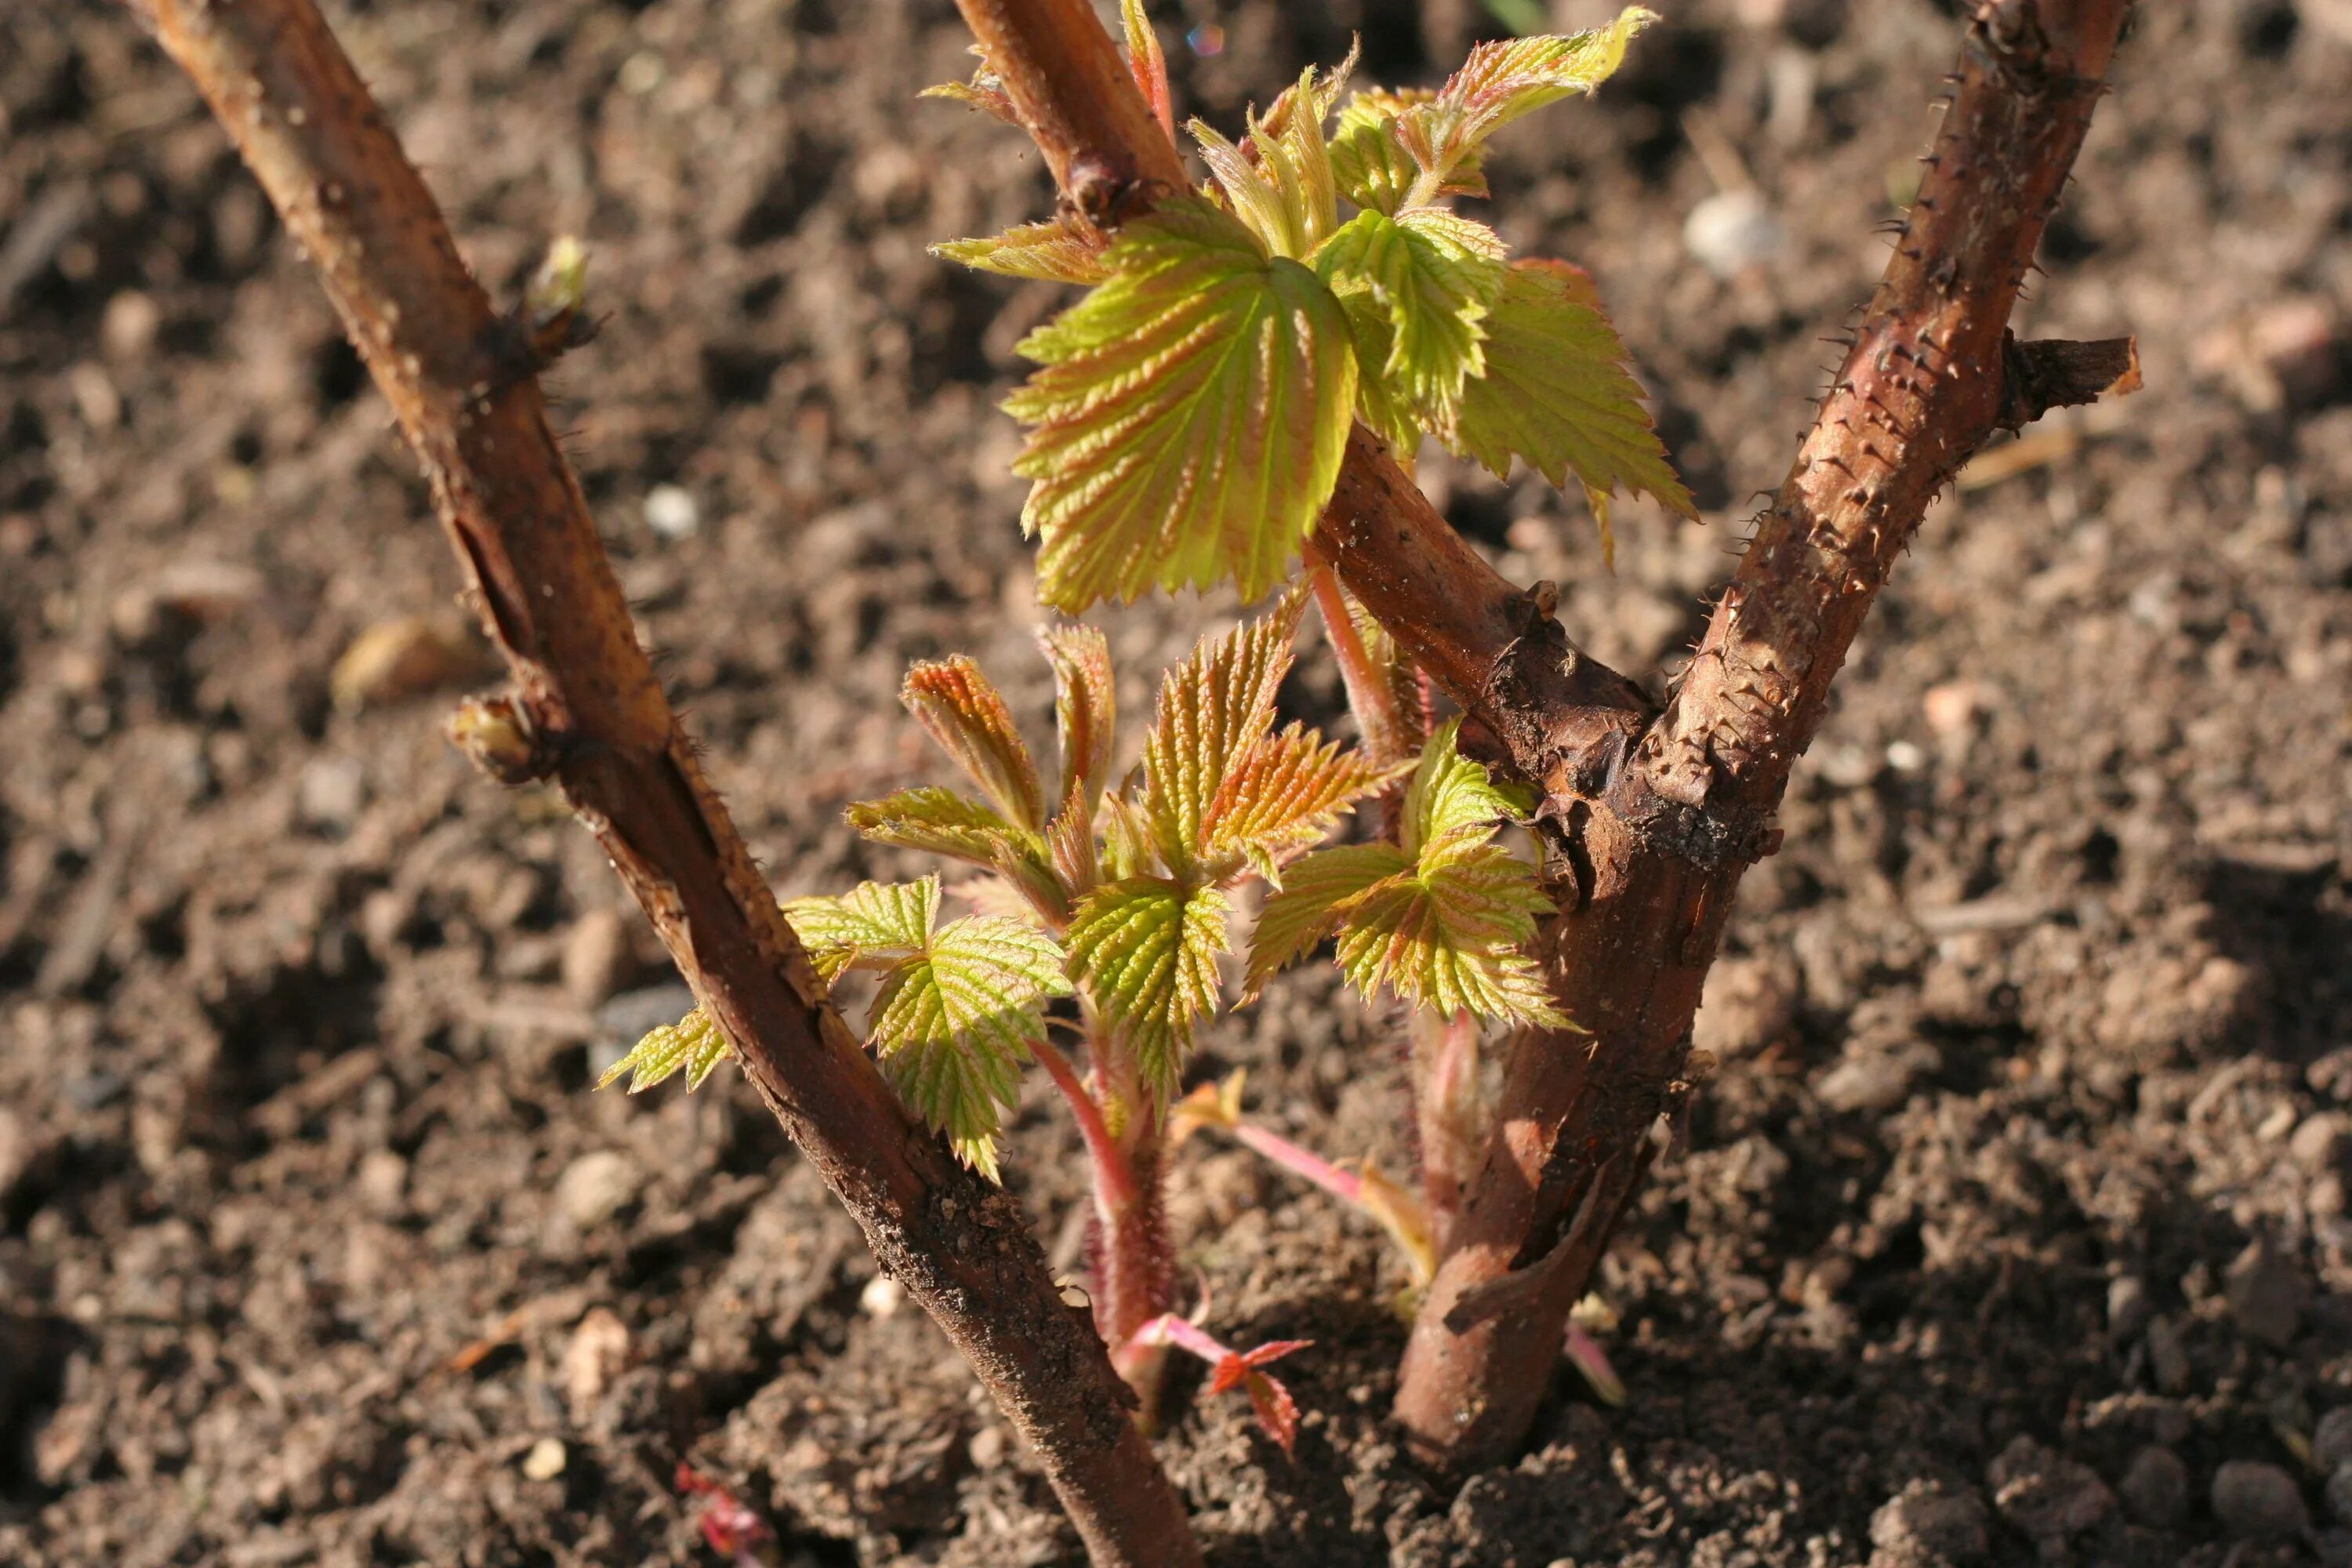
(128, 329)
(382, 1182)
(2044, 1493)
(596, 1186)
(595, 956)
(546, 1459)
(2331, 1441)
(2156, 1487)
(598, 1353)
(987, 1447)
(1732, 231)
(882, 1296)
(1953, 708)
(2266, 1296)
(1749, 1003)
(1876, 1078)
(331, 793)
(2320, 1144)
(2258, 1501)
(16, 1152)
(672, 511)
(2127, 1309)
(1924, 1526)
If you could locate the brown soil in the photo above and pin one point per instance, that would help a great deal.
(2016, 1210)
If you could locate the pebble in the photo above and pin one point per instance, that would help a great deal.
(16, 1152)
(382, 1182)
(332, 792)
(1732, 231)
(2320, 1144)
(2331, 1441)
(546, 1459)
(1749, 1003)
(1878, 1080)
(2044, 1493)
(2258, 1501)
(2266, 1295)
(2156, 1487)
(128, 329)
(672, 511)
(882, 1296)
(598, 1185)
(1924, 1525)
(598, 1352)
(2168, 1356)
(987, 1447)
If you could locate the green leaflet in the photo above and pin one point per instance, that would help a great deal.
(1060, 250)
(1190, 417)
(1436, 276)
(1439, 920)
(1506, 79)
(1308, 907)
(1212, 708)
(873, 926)
(1146, 949)
(692, 1046)
(954, 1023)
(1283, 795)
(941, 822)
(1557, 393)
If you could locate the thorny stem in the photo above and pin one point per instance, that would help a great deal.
(588, 711)
(1660, 852)
(1655, 818)
(1112, 1176)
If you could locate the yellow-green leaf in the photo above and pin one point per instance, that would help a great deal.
(1436, 276)
(1213, 708)
(873, 925)
(1507, 78)
(1556, 393)
(1146, 949)
(692, 1046)
(1190, 417)
(1308, 907)
(960, 709)
(1061, 250)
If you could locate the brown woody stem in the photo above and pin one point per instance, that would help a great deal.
(1929, 380)
(588, 711)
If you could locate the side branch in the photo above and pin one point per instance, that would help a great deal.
(588, 710)
(1932, 376)
(1561, 720)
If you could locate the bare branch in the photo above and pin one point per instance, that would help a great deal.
(588, 711)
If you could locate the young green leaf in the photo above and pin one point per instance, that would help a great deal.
(1557, 393)
(1189, 417)
(1146, 949)
(941, 822)
(962, 711)
(1061, 250)
(1310, 904)
(1439, 919)
(1279, 181)
(1369, 164)
(954, 1022)
(1213, 708)
(986, 92)
(1282, 796)
(1436, 276)
(1506, 79)
(692, 1046)
(873, 925)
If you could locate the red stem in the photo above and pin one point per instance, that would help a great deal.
(1112, 1174)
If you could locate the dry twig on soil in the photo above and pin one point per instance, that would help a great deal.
(588, 712)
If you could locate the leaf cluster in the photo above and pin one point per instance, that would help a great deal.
(1189, 414)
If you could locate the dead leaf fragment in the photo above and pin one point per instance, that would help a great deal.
(401, 659)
